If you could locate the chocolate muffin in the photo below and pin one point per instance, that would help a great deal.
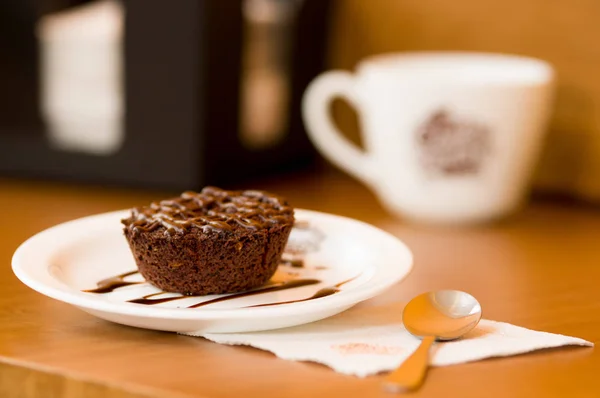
(211, 242)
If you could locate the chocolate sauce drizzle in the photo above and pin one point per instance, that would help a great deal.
(324, 292)
(298, 263)
(148, 300)
(294, 263)
(110, 284)
(114, 282)
(283, 286)
(213, 209)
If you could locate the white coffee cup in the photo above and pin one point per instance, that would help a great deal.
(449, 136)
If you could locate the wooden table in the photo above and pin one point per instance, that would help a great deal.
(540, 269)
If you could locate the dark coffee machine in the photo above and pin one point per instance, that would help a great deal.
(158, 94)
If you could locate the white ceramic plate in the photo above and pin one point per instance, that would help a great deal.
(361, 260)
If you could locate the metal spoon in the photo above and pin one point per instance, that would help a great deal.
(442, 315)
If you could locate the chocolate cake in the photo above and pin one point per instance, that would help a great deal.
(210, 242)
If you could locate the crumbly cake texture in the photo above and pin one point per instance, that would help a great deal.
(211, 242)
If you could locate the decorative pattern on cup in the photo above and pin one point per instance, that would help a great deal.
(452, 146)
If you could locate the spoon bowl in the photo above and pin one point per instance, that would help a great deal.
(445, 314)
(441, 315)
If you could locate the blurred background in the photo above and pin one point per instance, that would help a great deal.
(177, 95)
(560, 33)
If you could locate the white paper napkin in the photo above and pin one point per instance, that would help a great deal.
(367, 340)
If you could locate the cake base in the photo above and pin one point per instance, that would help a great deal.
(200, 263)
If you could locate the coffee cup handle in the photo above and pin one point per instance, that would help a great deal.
(321, 128)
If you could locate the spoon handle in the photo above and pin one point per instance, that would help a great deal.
(410, 373)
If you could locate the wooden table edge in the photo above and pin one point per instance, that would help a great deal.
(17, 376)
